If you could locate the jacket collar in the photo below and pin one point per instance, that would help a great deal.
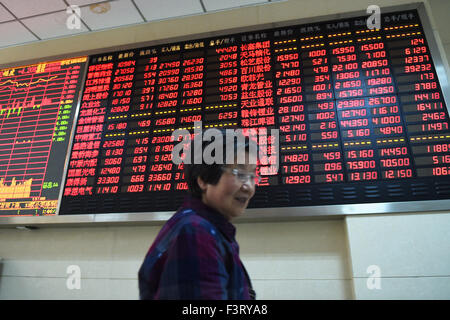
(212, 215)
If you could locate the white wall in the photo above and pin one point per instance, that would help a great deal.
(411, 253)
(441, 26)
(308, 261)
(286, 260)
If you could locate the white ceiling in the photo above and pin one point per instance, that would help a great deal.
(24, 21)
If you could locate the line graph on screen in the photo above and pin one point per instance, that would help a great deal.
(31, 99)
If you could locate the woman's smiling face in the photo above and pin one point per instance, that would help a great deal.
(230, 196)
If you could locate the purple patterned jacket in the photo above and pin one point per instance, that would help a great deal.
(195, 256)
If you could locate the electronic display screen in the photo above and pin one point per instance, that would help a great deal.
(37, 109)
(360, 113)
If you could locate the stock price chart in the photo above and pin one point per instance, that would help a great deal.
(360, 113)
(37, 108)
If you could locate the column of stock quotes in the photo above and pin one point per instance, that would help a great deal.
(360, 113)
(37, 108)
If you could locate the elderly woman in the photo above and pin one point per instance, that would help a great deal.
(195, 255)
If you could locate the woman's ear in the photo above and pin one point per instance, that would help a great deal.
(202, 184)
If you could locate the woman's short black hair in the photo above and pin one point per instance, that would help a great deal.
(210, 173)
